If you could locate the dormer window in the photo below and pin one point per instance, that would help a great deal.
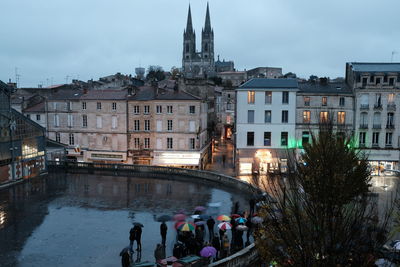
(391, 81)
(364, 81)
(377, 80)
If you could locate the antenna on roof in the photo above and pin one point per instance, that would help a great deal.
(393, 53)
(17, 76)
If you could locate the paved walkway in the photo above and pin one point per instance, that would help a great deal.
(217, 165)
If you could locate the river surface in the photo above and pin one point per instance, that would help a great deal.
(84, 219)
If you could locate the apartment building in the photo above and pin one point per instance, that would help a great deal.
(377, 115)
(92, 123)
(265, 124)
(321, 101)
(167, 128)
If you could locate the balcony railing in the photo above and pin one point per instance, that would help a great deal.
(364, 106)
(391, 107)
(378, 106)
(376, 126)
(389, 126)
(363, 126)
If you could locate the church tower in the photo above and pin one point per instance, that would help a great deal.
(207, 45)
(189, 40)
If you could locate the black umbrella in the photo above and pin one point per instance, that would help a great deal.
(137, 224)
(164, 218)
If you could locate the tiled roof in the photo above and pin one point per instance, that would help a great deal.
(36, 108)
(330, 88)
(269, 83)
(375, 67)
(145, 93)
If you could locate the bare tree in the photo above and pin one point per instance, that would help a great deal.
(321, 212)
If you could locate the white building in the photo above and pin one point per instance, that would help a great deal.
(376, 88)
(265, 123)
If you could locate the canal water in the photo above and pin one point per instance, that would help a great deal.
(84, 219)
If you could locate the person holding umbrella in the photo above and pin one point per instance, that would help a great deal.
(137, 229)
(210, 225)
(163, 232)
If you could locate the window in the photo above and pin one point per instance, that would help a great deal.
(98, 105)
(71, 139)
(267, 118)
(268, 97)
(391, 81)
(38, 117)
(114, 122)
(146, 109)
(136, 125)
(285, 97)
(192, 109)
(377, 121)
(58, 137)
(306, 101)
(323, 116)
(192, 126)
(341, 117)
(169, 109)
(169, 125)
(136, 143)
(388, 140)
(364, 81)
(83, 105)
(250, 116)
(136, 109)
(267, 138)
(114, 106)
(305, 138)
(250, 138)
(378, 102)
(28, 116)
(391, 99)
(147, 143)
(362, 138)
(170, 144)
(69, 106)
(364, 120)
(341, 101)
(99, 122)
(364, 101)
(159, 126)
(306, 116)
(375, 139)
(324, 100)
(390, 120)
(158, 109)
(284, 138)
(285, 116)
(56, 120)
(147, 125)
(84, 121)
(70, 120)
(377, 80)
(192, 143)
(251, 95)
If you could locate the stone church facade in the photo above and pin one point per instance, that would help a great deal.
(198, 64)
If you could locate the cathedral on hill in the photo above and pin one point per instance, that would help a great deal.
(198, 64)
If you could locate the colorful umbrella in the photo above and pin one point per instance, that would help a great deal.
(223, 218)
(179, 217)
(241, 220)
(208, 252)
(225, 226)
(257, 220)
(200, 208)
(186, 226)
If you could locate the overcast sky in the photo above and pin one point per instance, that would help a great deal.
(50, 39)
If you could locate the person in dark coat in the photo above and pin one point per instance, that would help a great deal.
(163, 232)
(138, 237)
(126, 257)
(252, 203)
(216, 244)
(132, 237)
(210, 225)
(159, 252)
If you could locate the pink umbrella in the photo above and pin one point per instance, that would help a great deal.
(208, 252)
(179, 217)
(199, 208)
(225, 226)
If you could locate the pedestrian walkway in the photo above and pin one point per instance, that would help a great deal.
(222, 158)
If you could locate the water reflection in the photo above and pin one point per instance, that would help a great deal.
(84, 220)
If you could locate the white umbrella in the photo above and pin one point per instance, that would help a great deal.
(396, 245)
(384, 263)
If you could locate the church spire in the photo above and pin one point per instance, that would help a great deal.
(207, 26)
(189, 27)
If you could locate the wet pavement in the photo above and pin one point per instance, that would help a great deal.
(84, 220)
(224, 147)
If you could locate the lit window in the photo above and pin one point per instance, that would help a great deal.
(341, 117)
(251, 97)
(391, 99)
(306, 101)
(324, 101)
(323, 116)
(268, 97)
(306, 116)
